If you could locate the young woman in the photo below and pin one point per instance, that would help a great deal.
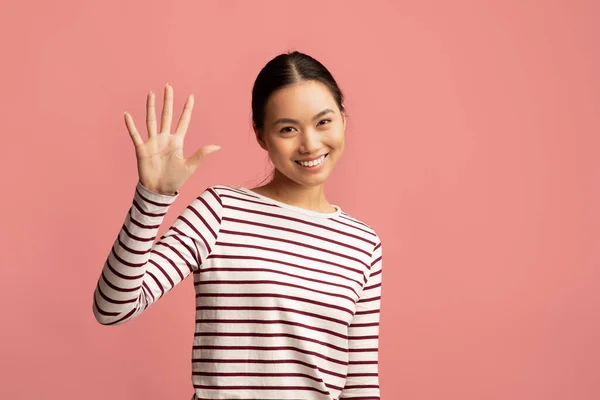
(287, 285)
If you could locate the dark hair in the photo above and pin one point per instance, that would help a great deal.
(285, 70)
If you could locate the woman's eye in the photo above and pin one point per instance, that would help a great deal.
(283, 130)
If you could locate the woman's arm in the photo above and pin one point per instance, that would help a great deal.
(138, 272)
(362, 381)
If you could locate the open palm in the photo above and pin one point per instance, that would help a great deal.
(161, 165)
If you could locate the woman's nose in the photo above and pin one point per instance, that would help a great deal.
(310, 141)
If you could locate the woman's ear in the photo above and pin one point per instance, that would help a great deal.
(259, 137)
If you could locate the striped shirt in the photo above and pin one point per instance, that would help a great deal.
(287, 299)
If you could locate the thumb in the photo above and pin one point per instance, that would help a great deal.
(201, 153)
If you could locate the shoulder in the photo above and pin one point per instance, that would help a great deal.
(225, 192)
(223, 189)
(360, 224)
(377, 250)
(218, 190)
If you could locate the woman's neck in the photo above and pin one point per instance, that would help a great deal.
(287, 191)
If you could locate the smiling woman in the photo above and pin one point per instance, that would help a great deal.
(298, 115)
(288, 286)
(297, 146)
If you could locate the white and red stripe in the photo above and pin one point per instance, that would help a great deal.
(287, 299)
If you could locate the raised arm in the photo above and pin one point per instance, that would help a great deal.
(138, 272)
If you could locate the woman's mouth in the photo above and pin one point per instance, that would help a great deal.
(312, 164)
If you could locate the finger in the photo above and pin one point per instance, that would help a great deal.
(135, 135)
(167, 112)
(150, 115)
(199, 155)
(186, 116)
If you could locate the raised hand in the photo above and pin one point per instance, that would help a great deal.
(161, 165)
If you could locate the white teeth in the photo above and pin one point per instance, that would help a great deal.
(312, 163)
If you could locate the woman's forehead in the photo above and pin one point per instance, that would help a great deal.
(303, 100)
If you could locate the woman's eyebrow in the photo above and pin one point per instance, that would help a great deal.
(293, 121)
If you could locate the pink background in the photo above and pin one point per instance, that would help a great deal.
(472, 148)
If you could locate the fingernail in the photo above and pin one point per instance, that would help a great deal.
(167, 84)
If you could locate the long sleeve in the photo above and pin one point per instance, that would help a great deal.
(137, 271)
(363, 335)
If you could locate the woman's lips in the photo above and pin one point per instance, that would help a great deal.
(314, 167)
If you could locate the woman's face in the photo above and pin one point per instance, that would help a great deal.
(303, 122)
